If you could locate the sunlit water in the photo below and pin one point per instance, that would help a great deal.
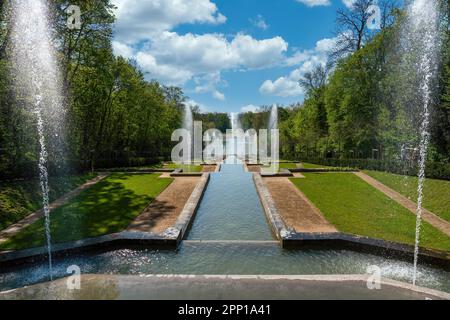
(231, 208)
(225, 259)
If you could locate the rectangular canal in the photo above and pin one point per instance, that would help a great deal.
(231, 208)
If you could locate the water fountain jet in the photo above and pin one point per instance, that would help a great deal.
(36, 75)
(421, 35)
(188, 124)
(273, 121)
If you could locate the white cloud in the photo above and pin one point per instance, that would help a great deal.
(192, 103)
(250, 108)
(209, 83)
(260, 22)
(349, 3)
(314, 3)
(297, 58)
(282, 87)
(143, 31)
(288, 86)
(176, 59)
(121, 49)
(325, 45)
(167, 73)
(218, 95)
(136, 19)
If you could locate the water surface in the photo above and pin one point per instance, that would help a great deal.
(231, 208)
(227, 259)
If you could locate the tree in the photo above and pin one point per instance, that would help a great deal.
(353, 30)
(314, 80)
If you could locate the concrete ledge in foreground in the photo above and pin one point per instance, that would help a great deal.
(188, 287)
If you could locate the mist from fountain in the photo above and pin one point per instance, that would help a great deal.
(235, 121)
(273, 121)
(421, 38)
(234, 142)
(37, 79)
(188, 124)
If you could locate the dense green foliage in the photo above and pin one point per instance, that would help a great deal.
(115, 117)
(355, 207)
(220, 121)
(107, 207)
(368, 107)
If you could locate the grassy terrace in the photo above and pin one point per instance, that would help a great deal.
(186, 168)
(437, 192)
(105, 208)
(355, 207)
(288, 165)
(313, 166)
(21, 198)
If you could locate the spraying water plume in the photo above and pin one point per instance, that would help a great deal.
(36, 75)
(421, 38)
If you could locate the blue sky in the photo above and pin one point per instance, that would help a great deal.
(228, 55)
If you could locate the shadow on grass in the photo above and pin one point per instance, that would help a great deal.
(105, 208)
(157, 211)
(20, 198)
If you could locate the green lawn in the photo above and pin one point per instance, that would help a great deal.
(20, 198)
(105, 208)
(355, 207)
(288, 165)
(186, 168)
(313, 166)
(436, 192)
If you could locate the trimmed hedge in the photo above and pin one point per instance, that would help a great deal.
(29, 169)
(434, 170)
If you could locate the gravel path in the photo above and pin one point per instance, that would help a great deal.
(164, 211)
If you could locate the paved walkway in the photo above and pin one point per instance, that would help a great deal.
(428, 216)
(295, 209)
(164, 211)
(32, 218)
(253, 168)
(209, 168)
(232, 287)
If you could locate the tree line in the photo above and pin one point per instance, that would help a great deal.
(114, 116)
(365, 103)
(364, 100)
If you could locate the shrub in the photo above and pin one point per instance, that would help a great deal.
(434, 170)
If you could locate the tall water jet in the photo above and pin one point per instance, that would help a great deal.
(274, 141)
(273, 120)
(36, 75)
(235, 121)
(188, 124)
(422, 38)
(235, 140)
